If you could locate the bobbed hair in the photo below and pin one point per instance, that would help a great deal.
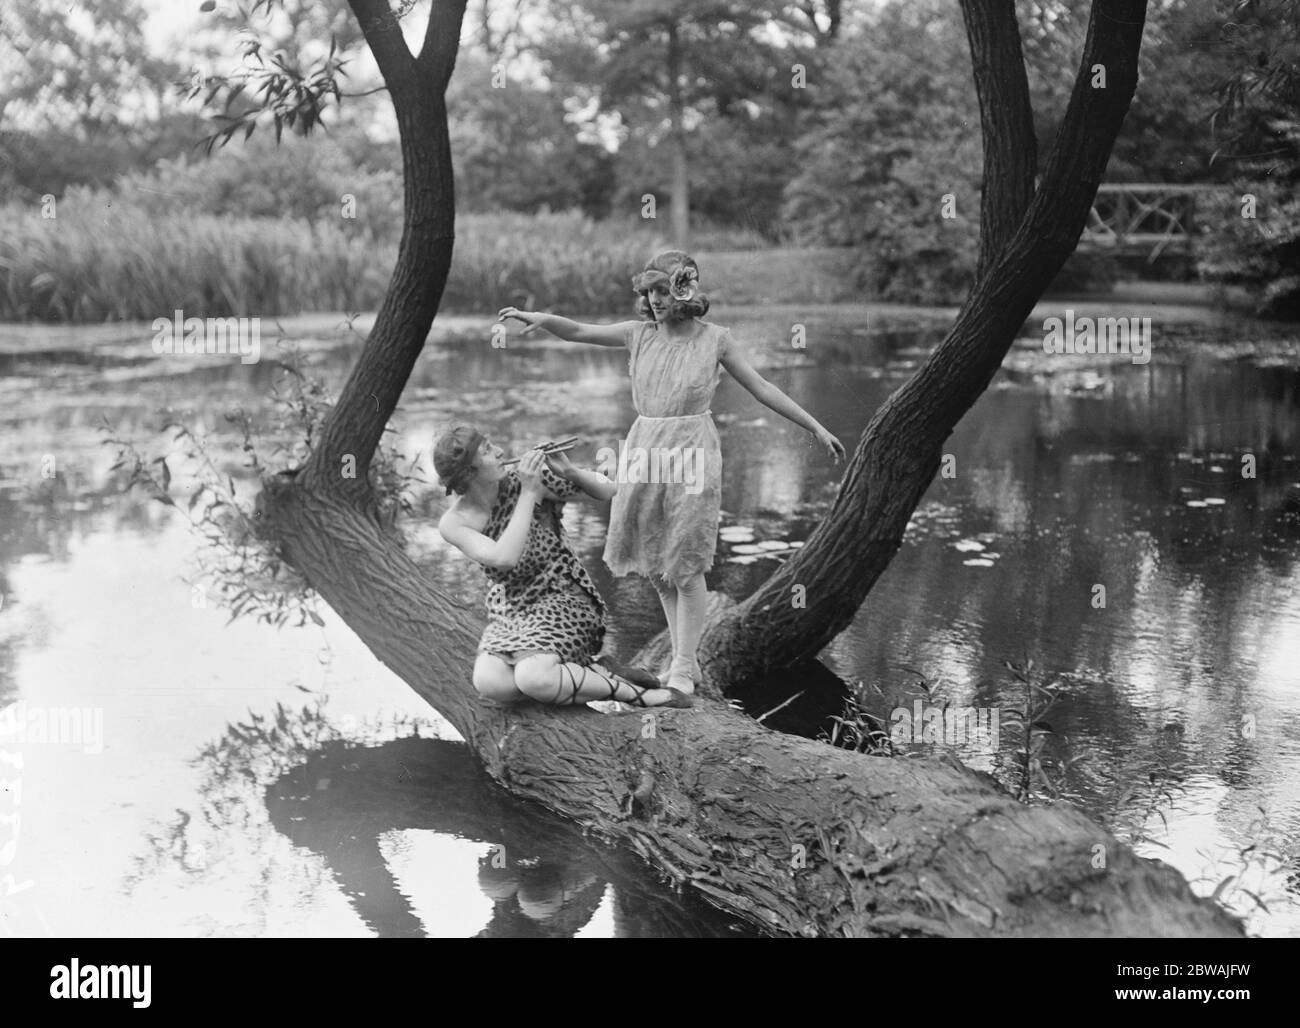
(670, 267)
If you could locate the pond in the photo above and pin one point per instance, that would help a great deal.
(169, 773)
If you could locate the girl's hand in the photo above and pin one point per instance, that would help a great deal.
(530, 319)
(530, 474)
(560, 464)
(833, 446)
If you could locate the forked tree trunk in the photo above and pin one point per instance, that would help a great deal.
(790, 834)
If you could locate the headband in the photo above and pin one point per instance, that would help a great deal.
(455, 453)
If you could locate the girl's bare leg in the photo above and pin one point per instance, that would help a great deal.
(546, 679)
(668, 600)
(495, 679)
(692, 602)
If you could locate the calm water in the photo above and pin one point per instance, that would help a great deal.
(238, 779)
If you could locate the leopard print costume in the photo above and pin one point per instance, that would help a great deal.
(546, 603)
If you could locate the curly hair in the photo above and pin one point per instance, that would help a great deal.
(666, 267)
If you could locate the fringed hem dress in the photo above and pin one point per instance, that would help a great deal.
(546, 603)
(664, 519)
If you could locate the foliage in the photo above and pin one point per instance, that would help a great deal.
(1261, 252)
(897, 132)
(295, 57)
(713, 76)
(559, 261)
(859, 731)
(82, 99)
(1259, 103)
(108, 259)
(105, 260)
(246, 571)
(299, 179)
(1030, 772)
(516, 148)
(1037, 774)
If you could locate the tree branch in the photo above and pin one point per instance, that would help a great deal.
(383, 34)
(1006, 119)
(441, 41)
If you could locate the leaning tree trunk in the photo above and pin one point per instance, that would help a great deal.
(790, 834)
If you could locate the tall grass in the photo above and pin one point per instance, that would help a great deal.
(109, 258)
(122, 263)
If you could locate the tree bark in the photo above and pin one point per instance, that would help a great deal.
(816, 594)
(792, 835)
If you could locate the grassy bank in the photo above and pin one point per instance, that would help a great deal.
(104, 260)
(107, 258)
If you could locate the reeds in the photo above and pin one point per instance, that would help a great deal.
(112, 259)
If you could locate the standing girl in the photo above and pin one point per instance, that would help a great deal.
(665, 530)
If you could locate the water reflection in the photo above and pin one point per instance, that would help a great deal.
(358, 808)
(1069, 475)
(411, 833)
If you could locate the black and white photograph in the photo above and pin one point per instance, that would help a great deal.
(675, 469)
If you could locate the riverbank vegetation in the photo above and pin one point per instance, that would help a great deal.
(564, 180)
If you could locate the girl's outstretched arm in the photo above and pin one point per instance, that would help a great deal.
(573, 331)
(771, 397)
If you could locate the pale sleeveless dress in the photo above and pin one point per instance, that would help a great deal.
(664, 518)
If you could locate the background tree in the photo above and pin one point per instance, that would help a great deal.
(516, 146)
(670, 70)
(82, 97)
(893, 134)
(1257, 238)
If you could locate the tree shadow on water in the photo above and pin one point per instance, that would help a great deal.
(295, 776)
(543, 878)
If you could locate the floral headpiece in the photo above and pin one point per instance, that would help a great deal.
(675, 269)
